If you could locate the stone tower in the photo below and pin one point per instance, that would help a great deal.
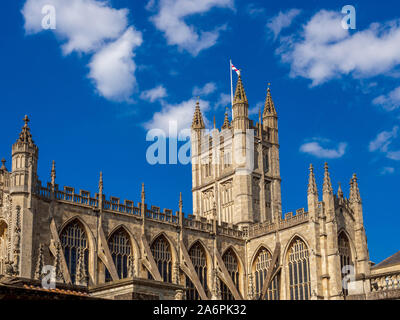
(237, 167)
(23, 180)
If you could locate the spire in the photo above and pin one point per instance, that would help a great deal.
(340, 192)
(354, 191)
(143, 193)
(312, 185)
(240, 94)
(226, 120)
(53, 174)
(101, 183)
(269, 107)
(180, 210)
(259, 123)
(197, 122)
(327, 186)
(25, 136)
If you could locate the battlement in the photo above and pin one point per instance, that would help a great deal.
(289, 220)
(113, 205)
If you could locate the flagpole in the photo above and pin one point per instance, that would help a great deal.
(230, 67)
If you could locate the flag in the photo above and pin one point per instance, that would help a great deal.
(235, 69)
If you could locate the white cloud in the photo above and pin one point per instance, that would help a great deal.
(170, 19)
(207, 89)
(93, 27)
(393, 155)
(324, 50)
(387, 170)
(154, 94)
(254, 11)
(259, 106)
(223, 100)
(314, 148)
(113, 69)
(181, 114)
(282, 20)
(390, 102)
(83, 24)
(383, 140)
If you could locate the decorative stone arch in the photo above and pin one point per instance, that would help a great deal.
(174, 252)
(208, 254)
(255, 254)
(230, 283)
(134, 243)
(288, 244)
(135, 247)
(298, 277)
(351, 242)
(345, 259)
(209, 264)
(272, 274)
(240, 260)
(164, 266)
(92, 245)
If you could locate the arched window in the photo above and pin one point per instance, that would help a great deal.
(345, 256)
(231, 264)
(299, 270)
(261, 264)
(3, 245)
(121, 251)
(197, 255)
(162, 255)
(73, 239)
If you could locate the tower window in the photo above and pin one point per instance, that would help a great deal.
(266, 162)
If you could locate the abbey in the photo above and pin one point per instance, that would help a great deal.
(236, 244)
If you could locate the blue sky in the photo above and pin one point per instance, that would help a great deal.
(111, 71)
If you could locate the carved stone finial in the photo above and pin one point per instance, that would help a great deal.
(327, 186)
(3, 164)
(312, 185)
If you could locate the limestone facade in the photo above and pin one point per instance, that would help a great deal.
(235, 245)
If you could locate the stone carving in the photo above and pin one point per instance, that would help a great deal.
(81, 275)
(39, 263)
(179, 294)
(175, 275)
(131, 267)
(250, 293)
(216, 291)
(17, 240)
(57, 264)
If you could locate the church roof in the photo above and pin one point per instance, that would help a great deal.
(240, 94)
(394, 259)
